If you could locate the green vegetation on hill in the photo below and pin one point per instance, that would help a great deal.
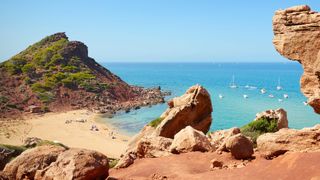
(255, 128)
(48, 65)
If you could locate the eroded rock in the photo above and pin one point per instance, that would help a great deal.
(218, 138)
(77, 164)
(274, 144)
(26, 164)
(297, 37)
(189, 139)
(191, 109)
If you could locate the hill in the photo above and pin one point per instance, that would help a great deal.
(56, 74)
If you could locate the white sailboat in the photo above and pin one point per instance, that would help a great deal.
(280, 100)
(279, 87)
(271, 96)
(305, 103)
(263, 91)
(220, 96)
(245, 96)
(233, 85)
(286, 96)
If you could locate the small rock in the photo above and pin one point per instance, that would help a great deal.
(240, 146)
(215, 164)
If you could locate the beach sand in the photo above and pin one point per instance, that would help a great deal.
(53, 127)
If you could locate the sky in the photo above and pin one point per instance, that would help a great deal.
(149, 30)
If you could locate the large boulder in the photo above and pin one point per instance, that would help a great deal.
(274, 144)
(240, 146)
(146, 147)
(280, 115)
(189, 139)
(77, 164)
(191, 109)
(297, 37)
(26, 164)
(218, 138)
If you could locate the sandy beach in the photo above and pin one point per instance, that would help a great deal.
(72, 128)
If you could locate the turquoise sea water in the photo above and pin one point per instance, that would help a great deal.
(233, 109)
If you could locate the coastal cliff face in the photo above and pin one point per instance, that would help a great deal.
(57, 74)
(297, 37)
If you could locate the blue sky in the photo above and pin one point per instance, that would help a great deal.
(149, 30)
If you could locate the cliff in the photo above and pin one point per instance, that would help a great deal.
(297, 37)
(57, 74)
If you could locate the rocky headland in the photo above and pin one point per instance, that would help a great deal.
(56, 74)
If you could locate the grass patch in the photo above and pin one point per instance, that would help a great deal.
(113, 162)
(255, 128)
(46, 142)
(154, 123)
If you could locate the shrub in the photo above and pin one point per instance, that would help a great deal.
(113, 162)
(3, 99)
(70, 68)
(28, 68)
(27, 80)
(39, 88)
(46, 97)
(255, 128)
(154, 123)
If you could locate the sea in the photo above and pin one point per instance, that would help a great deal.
(233, 110)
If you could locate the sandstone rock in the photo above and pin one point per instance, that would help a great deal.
(153, 146)
(126, 160)
(280, 115)
(146, 147)
(274, 144)
(191, 109)
(240, 146)
(26, 165)
(297, 37)
(76, 164)
(218, 138)
(189, 139)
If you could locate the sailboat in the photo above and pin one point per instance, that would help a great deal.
(286, 96)
(245, 96)
(263, 91)
(233, 85)
(220, 96)
(279, 87)
(305, 103)
(271, 96)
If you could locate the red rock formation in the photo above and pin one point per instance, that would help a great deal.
(297, 37)
(194, 109)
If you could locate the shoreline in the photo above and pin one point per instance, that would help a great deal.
(71, 128)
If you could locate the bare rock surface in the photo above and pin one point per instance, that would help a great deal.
(189, 139)
(76, 164)
(240, 146)
(304, 140)
(279, 114)
(55, 162)
(191, 109)
(297, 37)
(218, 138)
(27, 163)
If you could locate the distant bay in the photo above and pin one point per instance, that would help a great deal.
(233, 109)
